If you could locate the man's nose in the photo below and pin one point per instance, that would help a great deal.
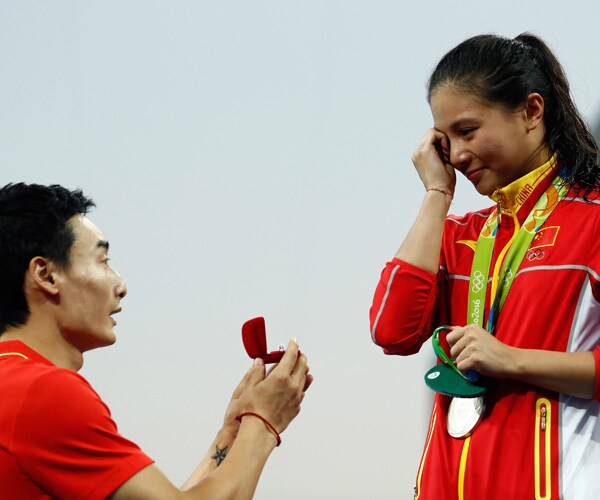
(121, 288)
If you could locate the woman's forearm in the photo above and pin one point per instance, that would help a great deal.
(423, 243)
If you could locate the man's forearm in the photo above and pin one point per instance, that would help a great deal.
(213, 458)
(235, 479)
(237, 475)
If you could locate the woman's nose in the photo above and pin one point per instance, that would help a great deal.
(459, 157)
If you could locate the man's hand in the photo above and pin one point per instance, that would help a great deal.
(255, 373)
(277, 395)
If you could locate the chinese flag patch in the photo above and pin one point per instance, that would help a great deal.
(545, 237)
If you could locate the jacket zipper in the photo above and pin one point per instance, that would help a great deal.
(542, 450)
(432, 423)
(499, 196)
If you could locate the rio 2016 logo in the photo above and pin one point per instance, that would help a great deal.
(476, 310)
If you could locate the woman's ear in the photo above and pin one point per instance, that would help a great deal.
(534, 111)
(43, 275)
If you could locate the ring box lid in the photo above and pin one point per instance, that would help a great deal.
(254, 336)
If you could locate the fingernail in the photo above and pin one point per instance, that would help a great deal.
(295, 340)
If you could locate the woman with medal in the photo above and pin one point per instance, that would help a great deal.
(512, 291)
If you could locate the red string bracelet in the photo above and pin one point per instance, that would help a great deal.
(267, 423)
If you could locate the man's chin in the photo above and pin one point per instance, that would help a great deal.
(97, 343)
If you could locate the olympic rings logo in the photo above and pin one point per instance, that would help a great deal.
(536, 254)
(477, 281)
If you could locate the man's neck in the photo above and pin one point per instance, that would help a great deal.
(47, 341)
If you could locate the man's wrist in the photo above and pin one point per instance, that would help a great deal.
(254, 428)
(228, 432)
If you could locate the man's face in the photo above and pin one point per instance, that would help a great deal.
(90, 290)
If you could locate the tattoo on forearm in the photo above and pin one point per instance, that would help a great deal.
(220, 454)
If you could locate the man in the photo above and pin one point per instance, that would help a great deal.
(58, 295)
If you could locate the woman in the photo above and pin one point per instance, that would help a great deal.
(519, 282)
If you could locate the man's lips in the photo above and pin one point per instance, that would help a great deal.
(116, 311)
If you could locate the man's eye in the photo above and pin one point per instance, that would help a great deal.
(466, 131)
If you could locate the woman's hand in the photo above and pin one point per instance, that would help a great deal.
(475, 348)
(572, 373)
(431, 160)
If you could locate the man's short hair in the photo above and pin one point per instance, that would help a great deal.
(33, 222)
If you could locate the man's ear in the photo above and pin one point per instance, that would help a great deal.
(43, 274)
(534, 111)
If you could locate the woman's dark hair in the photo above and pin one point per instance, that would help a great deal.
(33, 222)
(503, 71)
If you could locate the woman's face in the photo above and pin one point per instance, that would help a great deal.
(489, 145)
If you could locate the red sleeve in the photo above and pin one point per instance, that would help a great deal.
(67, 442)
(403, 308)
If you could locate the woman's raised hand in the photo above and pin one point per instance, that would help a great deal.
(432, 162)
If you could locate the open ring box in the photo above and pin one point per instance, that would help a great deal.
(254, 337)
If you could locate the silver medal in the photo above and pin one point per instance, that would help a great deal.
(463, 415)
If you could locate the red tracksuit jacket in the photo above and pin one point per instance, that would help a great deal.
(532, 443)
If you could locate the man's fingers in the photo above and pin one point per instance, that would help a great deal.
(289, 359)
(253, 376)
(256, 373)
(300, 368)
(243, 383)
(308, 382)
(300, 377)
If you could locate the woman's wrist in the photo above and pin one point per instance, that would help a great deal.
(444, 191)
(438, 200)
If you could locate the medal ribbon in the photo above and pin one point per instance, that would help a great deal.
(517, 248)
(448, 379)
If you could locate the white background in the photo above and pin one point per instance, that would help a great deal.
(253, 158)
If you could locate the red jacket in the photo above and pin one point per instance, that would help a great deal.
(553, 304)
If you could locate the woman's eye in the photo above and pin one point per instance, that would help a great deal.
(106, 261)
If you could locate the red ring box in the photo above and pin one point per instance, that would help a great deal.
(254, 336)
